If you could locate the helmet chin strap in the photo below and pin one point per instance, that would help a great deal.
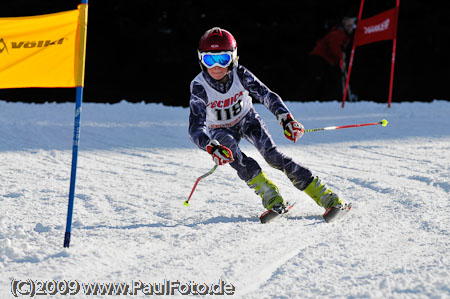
(226, 77)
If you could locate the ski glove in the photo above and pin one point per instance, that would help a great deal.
(293, 130)
(220, 154)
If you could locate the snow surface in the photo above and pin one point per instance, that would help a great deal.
(137, 165)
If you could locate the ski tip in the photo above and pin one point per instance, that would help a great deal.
(264, 216)
(269, 215)
(332, 213)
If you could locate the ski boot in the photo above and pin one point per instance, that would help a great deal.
(271, 198)
(327, 199)
(269, 193)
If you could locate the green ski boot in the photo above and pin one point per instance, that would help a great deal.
(322, 195)
(269, 193)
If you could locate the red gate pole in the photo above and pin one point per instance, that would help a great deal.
(350, 64)
(394, 45)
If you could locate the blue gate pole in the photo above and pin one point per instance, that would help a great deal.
(73, 173)
(76, 130)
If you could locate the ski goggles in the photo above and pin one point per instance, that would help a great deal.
(222, 59)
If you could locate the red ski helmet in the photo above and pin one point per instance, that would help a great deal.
(218, 40)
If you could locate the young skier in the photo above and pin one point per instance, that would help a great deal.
(221, 114)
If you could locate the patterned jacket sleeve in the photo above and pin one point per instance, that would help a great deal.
(197, 116)
(261, 92)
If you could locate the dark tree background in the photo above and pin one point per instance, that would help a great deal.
(145, 50)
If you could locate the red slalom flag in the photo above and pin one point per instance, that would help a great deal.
(377, 28)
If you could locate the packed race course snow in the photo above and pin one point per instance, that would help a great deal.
(137, 166)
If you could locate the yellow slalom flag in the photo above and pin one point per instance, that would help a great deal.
(43, 51)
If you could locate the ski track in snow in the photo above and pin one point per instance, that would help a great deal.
(137, 165)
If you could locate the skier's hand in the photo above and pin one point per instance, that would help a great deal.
(220, 154)
(293, 130)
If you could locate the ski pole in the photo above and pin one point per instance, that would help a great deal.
(186, 202)
(382, 122)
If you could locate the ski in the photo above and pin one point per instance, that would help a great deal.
(272, 214)
(335, 213)
(332, 214)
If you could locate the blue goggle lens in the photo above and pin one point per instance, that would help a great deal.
(221, 59)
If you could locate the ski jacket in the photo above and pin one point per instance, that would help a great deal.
(216, 105)
(332, 46)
